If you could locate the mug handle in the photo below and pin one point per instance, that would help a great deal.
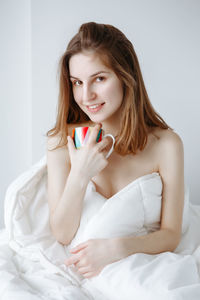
(112, 148)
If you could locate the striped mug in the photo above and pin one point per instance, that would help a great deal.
(80, 137)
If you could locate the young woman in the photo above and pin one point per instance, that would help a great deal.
(101, 85)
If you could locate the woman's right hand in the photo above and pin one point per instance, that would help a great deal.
(90, 159)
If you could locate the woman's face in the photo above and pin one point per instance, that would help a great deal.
(96, 88)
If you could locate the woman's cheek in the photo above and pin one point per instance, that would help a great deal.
(77, 98)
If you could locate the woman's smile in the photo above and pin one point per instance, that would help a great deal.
(94, 108)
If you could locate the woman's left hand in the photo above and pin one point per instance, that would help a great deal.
(92, 256)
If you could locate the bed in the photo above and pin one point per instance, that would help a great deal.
(32, 261)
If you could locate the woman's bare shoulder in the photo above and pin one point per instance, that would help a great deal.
(53, 141)
(169, 152)
(166, 145)
(167, 137)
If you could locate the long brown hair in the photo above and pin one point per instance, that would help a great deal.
(116, 51)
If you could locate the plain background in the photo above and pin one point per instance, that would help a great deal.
(34, 34)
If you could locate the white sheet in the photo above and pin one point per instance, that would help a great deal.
(31, 261)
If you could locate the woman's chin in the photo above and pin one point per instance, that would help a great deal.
(97, 119)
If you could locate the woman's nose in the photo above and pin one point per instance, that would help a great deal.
(88, 94)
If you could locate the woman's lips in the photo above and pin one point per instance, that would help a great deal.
(95, 107)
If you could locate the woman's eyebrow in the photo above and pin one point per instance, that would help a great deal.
(100, 72)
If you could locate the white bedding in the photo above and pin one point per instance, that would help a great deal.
(31, 261)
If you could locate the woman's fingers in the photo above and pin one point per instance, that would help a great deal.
(71, 146)
(72, 260)
(79, 247)
(93, 135)
(83, 270)
(103, 144)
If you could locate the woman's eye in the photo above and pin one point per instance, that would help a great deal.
(100, 78)
(77, 82)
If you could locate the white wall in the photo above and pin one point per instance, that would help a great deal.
(15, 92)
(166, 36)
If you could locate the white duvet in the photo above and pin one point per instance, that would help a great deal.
(32, 262)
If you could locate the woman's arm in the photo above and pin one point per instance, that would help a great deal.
(69, 171)
(64, 194)
(171, 168)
